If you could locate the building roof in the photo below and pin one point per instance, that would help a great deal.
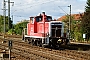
(76, 16)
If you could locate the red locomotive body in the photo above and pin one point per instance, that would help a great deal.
(43, 31)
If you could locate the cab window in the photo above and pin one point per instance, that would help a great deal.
(49, 18)
(31, 19)
(38, 19)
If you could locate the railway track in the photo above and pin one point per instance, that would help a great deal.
(82, 55)
(67, 53)
(14, 56)
(33, 52)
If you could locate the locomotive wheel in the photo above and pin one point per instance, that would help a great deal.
(28, 41)
(36, 43)
(51, 45)
(65, 41)
(32, 42)
(40, 44)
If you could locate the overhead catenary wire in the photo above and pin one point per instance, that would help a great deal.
(39, 2)
(19, 16)
(63, 10)
(23, 4)
(33, 5)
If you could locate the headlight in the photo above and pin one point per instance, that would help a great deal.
(60, 40)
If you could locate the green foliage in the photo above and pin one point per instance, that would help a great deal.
(1, 23)
(87, 8)
(86, 21)
(66, 20)
(19, 27)
(16, 29)
(6, 24)
(75, 28)
(77, 34)
(10, 31)
(86, 24)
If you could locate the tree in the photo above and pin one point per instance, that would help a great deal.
(19, 27)
(75, 27)
(66, 21)
(6, 24)
(86, 21)
(87, 8)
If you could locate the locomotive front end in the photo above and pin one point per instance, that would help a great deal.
(57, 29)
(56, 34)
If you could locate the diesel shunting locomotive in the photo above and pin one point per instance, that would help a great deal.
(43, 31)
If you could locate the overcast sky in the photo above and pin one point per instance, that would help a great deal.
(23, 9)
